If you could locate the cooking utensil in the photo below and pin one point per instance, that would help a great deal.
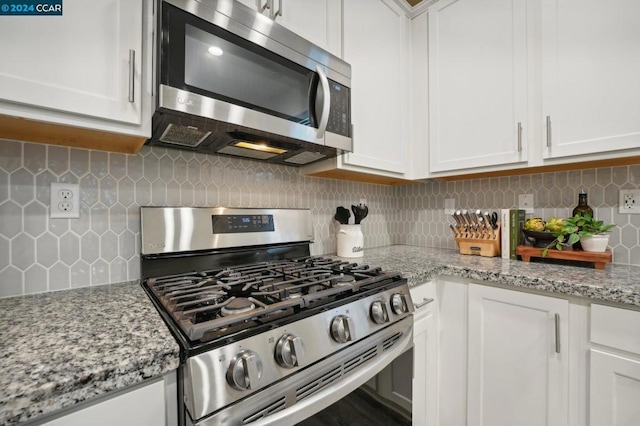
(342, 215)
(359, 212)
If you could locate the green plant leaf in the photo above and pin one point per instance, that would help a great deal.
(545, 251)
(573, 238)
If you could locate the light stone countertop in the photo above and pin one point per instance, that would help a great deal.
(66, 347)
(62, 348)
(616, 283)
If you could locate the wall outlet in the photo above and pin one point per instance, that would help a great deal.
(629, 201)
(65, 201)
(449, 205)
(525, 202)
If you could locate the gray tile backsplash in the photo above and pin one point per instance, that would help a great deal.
(41, 254)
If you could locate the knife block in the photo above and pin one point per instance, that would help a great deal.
(488, 247)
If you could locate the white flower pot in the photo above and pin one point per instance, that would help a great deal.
(595, 243)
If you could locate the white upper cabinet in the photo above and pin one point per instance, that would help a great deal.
(318, 21)
(590, 69)
(87, 61)
(376, 44)
(477, 83)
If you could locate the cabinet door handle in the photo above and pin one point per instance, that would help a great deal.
(557, 333)
(425, 301)
(132, 75)
(548, 131)
(519, 137)
(261, 8)
(274, 14)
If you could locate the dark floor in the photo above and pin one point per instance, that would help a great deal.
(357, 409)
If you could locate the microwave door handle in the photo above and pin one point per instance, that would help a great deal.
(326, 103)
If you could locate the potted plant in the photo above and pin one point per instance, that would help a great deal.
(591, 233)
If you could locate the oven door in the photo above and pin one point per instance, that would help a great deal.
(384, 400)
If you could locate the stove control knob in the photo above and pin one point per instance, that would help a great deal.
(399, 304)
(343, 329)
(290, 351)
(245, 370)
(379, 313)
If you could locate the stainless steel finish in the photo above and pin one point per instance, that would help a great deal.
(204, 396)
(519, 137)
(177, 229)
(248, 24)
(548, 131)
(262, 8)
(557, 318)
(245, 370)
(399, 304)
(193, 104)
(290, 351)
(326, 102)
(132, 75)
(274, 14)
(343, 329)
(379, 313)
(281, 394)
(424, 302)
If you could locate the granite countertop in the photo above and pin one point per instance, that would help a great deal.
(616, 283)
(62, 348)
(66, 347)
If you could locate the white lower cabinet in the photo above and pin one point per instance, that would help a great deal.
(615, 367)
(149, 404)
(518, 358)
(424, 407)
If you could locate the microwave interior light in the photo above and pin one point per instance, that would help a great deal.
(215, 51)
(260, 147)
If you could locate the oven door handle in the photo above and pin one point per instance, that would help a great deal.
(307, 407)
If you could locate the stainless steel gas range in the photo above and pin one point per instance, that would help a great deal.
(268, 333)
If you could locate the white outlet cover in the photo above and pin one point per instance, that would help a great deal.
(629, 201)
(525, 202)
(449, 205)
(57, 200)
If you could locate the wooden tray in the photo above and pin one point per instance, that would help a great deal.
(598, 259)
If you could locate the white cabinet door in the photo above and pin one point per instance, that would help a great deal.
(425, 365)
(518, 358)
(376, 44)
(614, 389)
(477, 83)
(590, 69)
(318, 21)
(87, 61)
(142, 406)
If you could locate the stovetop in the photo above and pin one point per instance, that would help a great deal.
(212, 304)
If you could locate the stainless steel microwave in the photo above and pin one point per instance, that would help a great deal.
(233, 82)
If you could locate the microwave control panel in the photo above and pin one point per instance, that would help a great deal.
(340, 110)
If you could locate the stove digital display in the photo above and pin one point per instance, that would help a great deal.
(236, 224)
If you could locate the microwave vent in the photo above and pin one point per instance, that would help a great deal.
(305, 158)
(184, 135)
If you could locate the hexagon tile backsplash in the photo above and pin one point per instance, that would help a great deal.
(40, 254)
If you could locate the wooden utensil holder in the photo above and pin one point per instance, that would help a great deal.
(488, 247)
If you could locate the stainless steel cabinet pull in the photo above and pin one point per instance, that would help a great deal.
(519, 137)
(132, 75)
(425, 301)
(557, 333)
(261, 8)
(548, 131)
(274, 14)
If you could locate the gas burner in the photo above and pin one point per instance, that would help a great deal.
(236, 306)
(343, 279)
